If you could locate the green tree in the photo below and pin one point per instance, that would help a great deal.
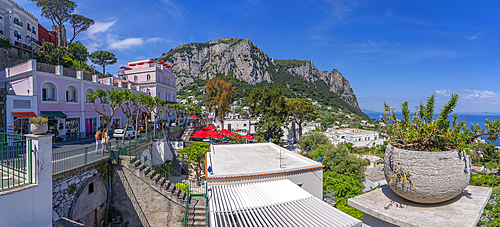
(158, 109)
(195, 156)
(79, 24)
(129, 107)
(103, 58)
(270, 106)
(301, 110)
(112, 98)
(220, 95)
(311, 142)
(147, 103)
(79, 51)
(57, 11)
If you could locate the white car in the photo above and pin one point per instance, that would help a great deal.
(118, 133)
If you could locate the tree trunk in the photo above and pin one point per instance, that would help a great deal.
(136, 123)
(126, 126)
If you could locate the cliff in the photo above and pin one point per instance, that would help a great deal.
(245, 61)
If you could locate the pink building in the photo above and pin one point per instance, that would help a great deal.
(37, 89)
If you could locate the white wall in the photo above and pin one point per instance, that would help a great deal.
(31, 206)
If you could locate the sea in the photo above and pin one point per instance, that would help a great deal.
(474, 119)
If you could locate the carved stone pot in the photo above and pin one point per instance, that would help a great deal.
(426, 177)
(39, 129)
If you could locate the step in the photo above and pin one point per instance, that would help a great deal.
(161, 181)
(168, 185)
(196, 212)
(137, 163)
(133, 160)
(147, 170)
(195, 224)
(142, 167)
(197, 218)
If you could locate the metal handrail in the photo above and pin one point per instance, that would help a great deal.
(16, 164)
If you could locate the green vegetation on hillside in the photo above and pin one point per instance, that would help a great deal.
(290, 62)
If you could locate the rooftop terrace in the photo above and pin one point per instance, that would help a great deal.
(245, 160)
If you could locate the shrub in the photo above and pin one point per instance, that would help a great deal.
(38, 120)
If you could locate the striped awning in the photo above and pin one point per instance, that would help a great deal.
(271, 203)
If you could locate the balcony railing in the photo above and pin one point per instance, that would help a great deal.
(17, 35)
(35, 41)
(34, 32)
(18, 23)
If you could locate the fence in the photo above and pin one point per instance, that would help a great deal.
(16, 157)
(63, 161)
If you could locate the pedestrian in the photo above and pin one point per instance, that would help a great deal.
(105, 139)
(98, 136)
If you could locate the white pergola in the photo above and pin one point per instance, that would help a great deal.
(271, 203)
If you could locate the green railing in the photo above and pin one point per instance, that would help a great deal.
(16, 161)
(63, 161)
(186, 209)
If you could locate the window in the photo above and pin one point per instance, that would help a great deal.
(89, 91)
(148, 77)
(71, 94)
(91, 188)
(135, 79)
(49, 92)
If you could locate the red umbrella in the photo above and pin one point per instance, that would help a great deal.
(122, 67)
(151, 61)
(210, 127)
(198, 136)
(212, 133)
(128, 68)
(140, 63)
(250, 137)
(194, 117)
(161, 62)
(226, 132)
(217, 136)
(168, 66)
(131, 64)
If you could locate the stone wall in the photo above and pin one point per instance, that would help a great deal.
(6, 61)
(140, 204)
(64, 193)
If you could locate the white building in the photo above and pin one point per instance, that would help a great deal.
(19, 26)
(357, 137)
(247, 126)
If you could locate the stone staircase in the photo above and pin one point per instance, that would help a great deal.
(157, 182)
(196, 212)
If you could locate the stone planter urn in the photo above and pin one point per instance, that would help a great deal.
(426, 177)
(39, 129)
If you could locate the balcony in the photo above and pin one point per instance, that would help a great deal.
(17, 36)
(29, 28)
(34, 32)
(35, 41)
(1, 32)
(18, 22)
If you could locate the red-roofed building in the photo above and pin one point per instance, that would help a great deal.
(45, 35)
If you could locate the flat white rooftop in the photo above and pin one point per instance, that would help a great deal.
(271, 203)
(240, 160)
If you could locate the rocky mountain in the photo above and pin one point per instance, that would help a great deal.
(245, 61)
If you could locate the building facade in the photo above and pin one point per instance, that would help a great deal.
(45, 35)
(156, 78)
(357, 137)
(20, 27)
(37, 89)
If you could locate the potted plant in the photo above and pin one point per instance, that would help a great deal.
(39, 125)
(50, 99)
(427, 160)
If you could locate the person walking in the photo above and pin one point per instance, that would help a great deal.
(98, 137)
(105, 139)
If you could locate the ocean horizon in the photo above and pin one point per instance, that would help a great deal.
(468, 118)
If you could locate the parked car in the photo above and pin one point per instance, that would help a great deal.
(118, 133)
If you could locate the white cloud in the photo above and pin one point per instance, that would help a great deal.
(91, 47)
(475, 36)
(342, 7)
(99, 27)
(444, 92)
(481, 94)
(175, 10)
(115, 44)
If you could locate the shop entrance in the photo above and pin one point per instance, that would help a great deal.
(90, 126)
(72, 128)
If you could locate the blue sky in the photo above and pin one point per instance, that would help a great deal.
(388, 50)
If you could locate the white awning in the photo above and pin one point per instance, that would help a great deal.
(271, 203)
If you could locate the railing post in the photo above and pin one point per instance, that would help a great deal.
(86, 151)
